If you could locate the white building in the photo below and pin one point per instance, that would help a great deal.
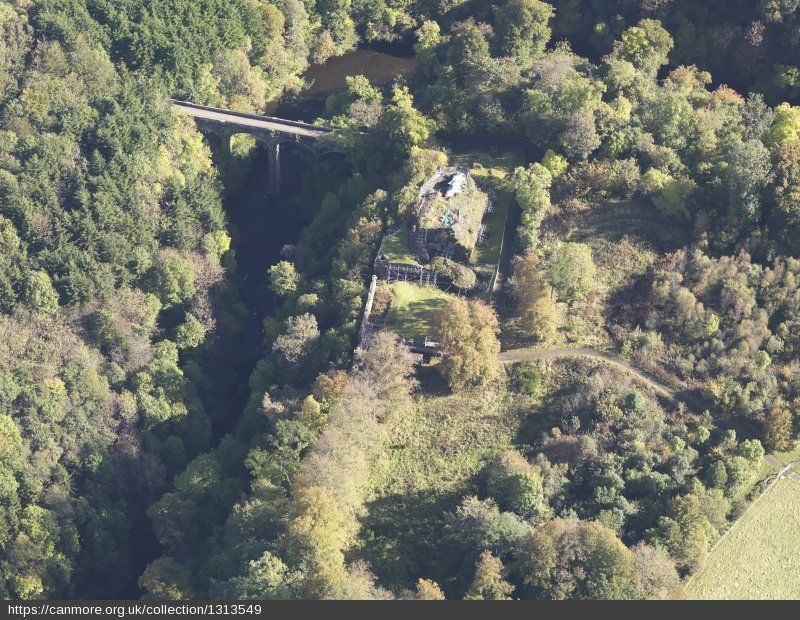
(456, 184)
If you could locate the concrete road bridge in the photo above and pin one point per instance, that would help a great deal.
(270, 130)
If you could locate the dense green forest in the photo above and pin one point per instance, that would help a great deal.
(132, 466)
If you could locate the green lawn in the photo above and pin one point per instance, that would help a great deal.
(413, 309)
(395, 247)
(760, 556)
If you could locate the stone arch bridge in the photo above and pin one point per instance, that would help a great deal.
(267, 129)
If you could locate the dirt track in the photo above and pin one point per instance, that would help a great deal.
(520, 355)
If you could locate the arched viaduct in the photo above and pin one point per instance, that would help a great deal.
(267, 129)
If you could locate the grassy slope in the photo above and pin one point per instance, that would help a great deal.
(446, 440)
(758, 558)
(432, 460)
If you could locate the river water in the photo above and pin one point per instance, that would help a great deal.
(377, 66)
(380, 65)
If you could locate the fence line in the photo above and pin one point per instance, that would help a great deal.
(739, 518)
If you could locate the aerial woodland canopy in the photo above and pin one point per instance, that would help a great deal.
(145, 452)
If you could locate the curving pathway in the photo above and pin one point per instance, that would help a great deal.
(521, 355)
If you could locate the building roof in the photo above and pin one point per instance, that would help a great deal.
(456, 184)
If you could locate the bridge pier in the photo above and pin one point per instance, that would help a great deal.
(225, 145)
(267, 129)
(274, 182)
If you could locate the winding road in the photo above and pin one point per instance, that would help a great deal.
(521, 355)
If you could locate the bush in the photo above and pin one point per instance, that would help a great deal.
(461, 276)
(526, 378)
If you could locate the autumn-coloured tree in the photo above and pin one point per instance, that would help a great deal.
(428, 590)
(489, 583)
(468, 334)
(315, 539)
(778, 433)
(536, 307)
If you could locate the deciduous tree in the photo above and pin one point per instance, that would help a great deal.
(283, 279)
(428, 590)
(572, 271)
(315, 538)
(489, 583)
(531, 188)
(778, 429)
(523, 28)
(567, 558)
(468, 335)
(534, 296)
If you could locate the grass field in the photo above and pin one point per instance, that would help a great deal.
(446, 442)
(760, 556)
(487, 164)
(413, 309)
(396, 248)
(790, 456)
(630, 219)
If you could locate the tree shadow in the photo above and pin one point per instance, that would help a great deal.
(403, 540)
(431, 381)
(629, 305)
(419, 316)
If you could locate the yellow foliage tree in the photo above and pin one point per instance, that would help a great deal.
(468, 333)
(535, 305)
(315, 537)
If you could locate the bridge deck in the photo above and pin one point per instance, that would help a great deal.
(251, 121)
